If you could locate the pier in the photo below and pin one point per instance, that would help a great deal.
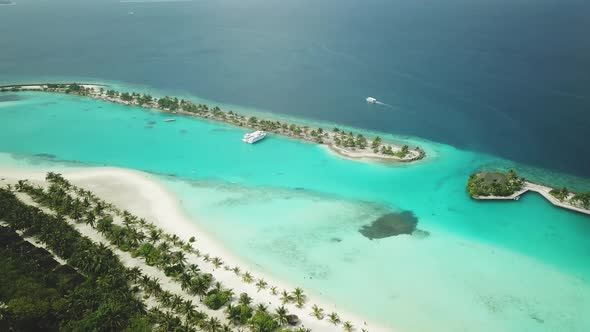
(543, 191)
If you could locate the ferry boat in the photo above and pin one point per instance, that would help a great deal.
(371, 100)
(254, 137)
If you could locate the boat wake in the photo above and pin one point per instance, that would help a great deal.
(383, 104)
(372, 100)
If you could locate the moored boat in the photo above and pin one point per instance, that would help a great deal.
(254, 137)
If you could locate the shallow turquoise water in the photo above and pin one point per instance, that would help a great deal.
(295, 210)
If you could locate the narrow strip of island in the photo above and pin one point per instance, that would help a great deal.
(509, 186)
(343, 143)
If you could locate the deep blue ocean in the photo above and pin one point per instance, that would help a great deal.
(509, 78)
(505, 84)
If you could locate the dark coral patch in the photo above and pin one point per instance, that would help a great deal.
(390, 224)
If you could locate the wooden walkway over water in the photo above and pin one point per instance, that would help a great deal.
(543, 191)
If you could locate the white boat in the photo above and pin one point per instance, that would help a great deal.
(371, 100)
(169, 120)
(254, 137)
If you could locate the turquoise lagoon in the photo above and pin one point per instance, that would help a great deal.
(294, 210)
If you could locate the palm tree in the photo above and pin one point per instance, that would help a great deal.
(179, 258)
(193, 269)
(226, 328)
(144, 280)
(176, 302)
(217, 287)
(334, 318)
(186, 327)
(196, 251)
(187, 308)
(245, 299)
(236, 270)
(155, 235)
(281, 315)
(142, 222)
(128, 219)
(299, 297)
(212, 325)
(273, 290)
(317, 312)
(247, 277)
(286, 297)
(206, 257)
(195, 317)
(166, 299)
(261, 307)
(217, 262)
(233, 315)
(302, 329)
(261, 284)
(174, 238)
(347, 326)
(187, 247)
(164, 246)
(200, 286)
(77, 211)
(134, 274)
(169, 322)
(90, 219)
(99, 209)
(20, 185)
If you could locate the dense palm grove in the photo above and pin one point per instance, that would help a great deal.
(113, 296)
(36, 300)
(336, 137)
(494, 184)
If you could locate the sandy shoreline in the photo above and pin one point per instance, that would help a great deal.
(144, 196)
(362, 156)
(337, 140)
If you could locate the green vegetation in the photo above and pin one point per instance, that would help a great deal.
(494, 184)
(337, 137)
(240, 314)
(34, 288)
(334, 318)
(502, 185)
(105, 301)
(317, 312)
(217, 298)
(560, 194)
(126, 288)
(583, 199)
(262, 321)
(298, 297)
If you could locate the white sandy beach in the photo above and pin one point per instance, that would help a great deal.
(369, 155)
(142, 195)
